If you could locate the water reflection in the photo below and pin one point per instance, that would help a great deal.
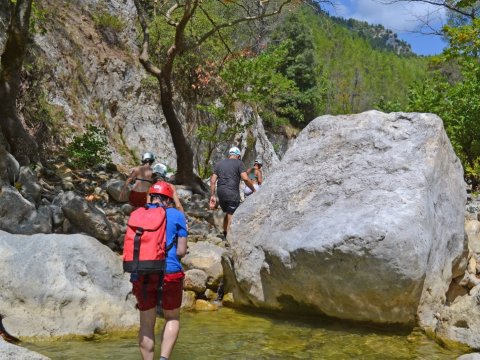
(230, 334)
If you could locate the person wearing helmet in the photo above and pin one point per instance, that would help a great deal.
(256, 176)
(226, 177)
(161, 194)
(160, 173)
(141, 177)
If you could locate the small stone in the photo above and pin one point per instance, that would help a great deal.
(203, 305)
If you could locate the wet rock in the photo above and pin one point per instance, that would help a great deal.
(203, 305)
(13, 352)
(472, 356)
(188, 299)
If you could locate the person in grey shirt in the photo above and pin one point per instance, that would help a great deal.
(226, 176)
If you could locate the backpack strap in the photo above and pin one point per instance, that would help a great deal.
(136, 247)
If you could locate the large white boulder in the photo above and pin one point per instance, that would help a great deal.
(62, 284)
(362, 220)
(13, 352)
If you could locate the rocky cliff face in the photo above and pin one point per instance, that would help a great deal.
(85, 61)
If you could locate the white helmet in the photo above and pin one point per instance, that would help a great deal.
(234, 151)
(148, 157)
(258, 161)
(160, 169)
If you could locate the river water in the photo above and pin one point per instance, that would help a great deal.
(230, 334)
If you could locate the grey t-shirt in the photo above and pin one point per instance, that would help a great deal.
(228, 172)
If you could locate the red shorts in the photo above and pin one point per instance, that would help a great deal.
(147, 294)
(137, 199)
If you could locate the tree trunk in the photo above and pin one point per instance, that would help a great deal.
(183, 149)
(19, 142)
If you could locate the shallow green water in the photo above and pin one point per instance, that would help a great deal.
(229, 334)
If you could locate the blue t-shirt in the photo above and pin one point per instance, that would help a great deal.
(176, 227)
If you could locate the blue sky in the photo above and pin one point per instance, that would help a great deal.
(403, 18)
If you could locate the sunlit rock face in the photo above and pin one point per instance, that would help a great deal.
(62, 284)
(362, 220)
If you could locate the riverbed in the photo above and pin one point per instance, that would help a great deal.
(231, 334)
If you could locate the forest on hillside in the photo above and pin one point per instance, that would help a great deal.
(288, 60)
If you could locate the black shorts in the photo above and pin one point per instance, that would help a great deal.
(229, 206)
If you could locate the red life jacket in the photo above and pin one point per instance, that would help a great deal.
(144, 249)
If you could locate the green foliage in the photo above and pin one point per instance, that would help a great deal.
(299, 65)
(105, 20)
(90, 148)
(352, 74)
(457, 102)
(388, 105)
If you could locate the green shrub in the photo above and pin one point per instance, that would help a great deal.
(90, 148)
(105, 20)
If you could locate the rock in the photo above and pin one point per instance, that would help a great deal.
(472, 265)
(472, 229)
(183, 192)
(127, 209)
(31, 188)
(211, 295)
(203, 305)
(195, 280)
(391, 259)
(85, 217)
(199, 228)
(13, 168)
(66, 284)
(114, 189)
(188, 299)
(459, 322)
(215, 275)
(19, 216)
(472, 356)
(202, 255)
(13, 352)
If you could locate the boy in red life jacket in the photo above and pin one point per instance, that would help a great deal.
(161, 194)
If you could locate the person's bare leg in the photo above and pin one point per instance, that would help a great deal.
(170, 331)
(225, 224)
(229, 221)
(146, 334)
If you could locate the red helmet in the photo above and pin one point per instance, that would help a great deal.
(161, 188)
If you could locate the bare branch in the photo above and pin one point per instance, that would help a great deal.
(212, 31)
(443, 4)
(144, 55)
(168, 15)
(219, 32)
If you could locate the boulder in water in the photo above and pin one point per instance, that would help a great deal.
(362, 220)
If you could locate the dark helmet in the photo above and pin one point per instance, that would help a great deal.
(148, 157)
(161, 188)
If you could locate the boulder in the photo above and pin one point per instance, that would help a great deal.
(84, 216)
(472, 229)
(13, 168)
(19, 216)
(472, 356)
(202, 255)
(114, 189)
(13, 352)
(56, 285)
(362, 220)
(195, 280)
(31, 188)
(459, 322)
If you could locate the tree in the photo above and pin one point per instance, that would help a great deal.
(18, 141)
(179, 15)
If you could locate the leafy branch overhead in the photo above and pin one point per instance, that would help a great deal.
(174, 25)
